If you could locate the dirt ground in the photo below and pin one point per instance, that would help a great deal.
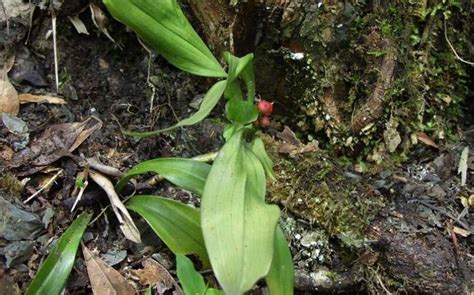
(396, 228)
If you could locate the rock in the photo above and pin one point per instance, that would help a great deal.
(18, 224)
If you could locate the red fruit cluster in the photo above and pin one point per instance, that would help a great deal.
(265, 108)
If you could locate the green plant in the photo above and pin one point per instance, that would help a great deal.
(237, 228)
(53, 273)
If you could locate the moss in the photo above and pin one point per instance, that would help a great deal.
(343, 49)
(10, 185)
(314, 186)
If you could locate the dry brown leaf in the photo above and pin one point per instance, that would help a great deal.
(127, 225)
(421, 136)
(54, 143)
(153, 273)
(289, 136)
(78, 24)
(462, 232)
(100, 20)
(9, 102)
(105, 280)
(26, 98)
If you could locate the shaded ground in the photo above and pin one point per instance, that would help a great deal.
(390, 228)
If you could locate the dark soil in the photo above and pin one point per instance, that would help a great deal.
(407, 245)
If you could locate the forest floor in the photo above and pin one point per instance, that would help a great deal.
(419, 238)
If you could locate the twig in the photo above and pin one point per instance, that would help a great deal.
(452, 47)
(44, 186)
(379, 280)
(55, 50)
(109, 170)
(79, 195)
(443, 212)
(148, 82)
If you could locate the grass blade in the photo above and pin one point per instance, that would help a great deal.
(53, 273)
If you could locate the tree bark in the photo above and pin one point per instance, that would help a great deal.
(341, 70)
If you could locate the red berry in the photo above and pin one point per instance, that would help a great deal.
(265, 107)
(264, 122)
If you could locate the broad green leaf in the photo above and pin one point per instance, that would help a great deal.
(281, 277)
(191, 281)
(238, 226)
(53, 273)
(186, 173)
(212, 291)
(208, 103)
(258, 148)
(236, 65)
(233, 90)
(230, 129)
(177, 224)
(163, 25)
(248, 75)
(241, 111)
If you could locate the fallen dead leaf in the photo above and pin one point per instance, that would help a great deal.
(289, 136)
(9, 102)
(460, 231)
(100, 20)
(471, 200)
(424, 138)
(127, 225)
(153, 273)
(105, 280)
(54, 143)
(26, 98)
(78, 24)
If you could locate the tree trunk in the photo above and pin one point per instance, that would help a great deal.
(362, 77)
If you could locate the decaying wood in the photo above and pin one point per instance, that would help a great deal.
(226, 28)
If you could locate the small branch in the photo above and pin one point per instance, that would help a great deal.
(44, 186)
(452, 47)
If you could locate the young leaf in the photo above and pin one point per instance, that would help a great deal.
(177, 225)
(53, 273)
(280, 279)
(238, 226)
(243, 68)
(163, 25)
(191, 281)
(248, 75)
(236, 65)
(186, 173)
(233, 91)
(241, 111)
(209, 102)
(258, 148)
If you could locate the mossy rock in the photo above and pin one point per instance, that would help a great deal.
(315, 187)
